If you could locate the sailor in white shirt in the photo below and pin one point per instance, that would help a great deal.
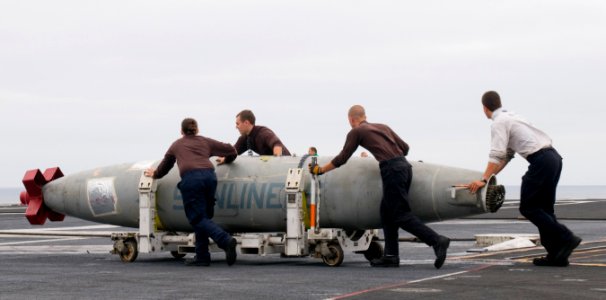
(512, 134)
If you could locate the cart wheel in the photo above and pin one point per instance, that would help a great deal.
(130, 252)
(336, 257)
(177, 255)
(375, 250)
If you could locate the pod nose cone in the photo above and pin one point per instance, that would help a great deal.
(24, 197)
(34, 180)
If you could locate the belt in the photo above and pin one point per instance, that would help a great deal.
(196, 170)
(387, 161)
(539, 152)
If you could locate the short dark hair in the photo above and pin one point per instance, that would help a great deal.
(189, 126)
(314, 149)
(247, 115)
(491, 100)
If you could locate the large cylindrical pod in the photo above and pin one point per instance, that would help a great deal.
(251, 196)
(351, 194)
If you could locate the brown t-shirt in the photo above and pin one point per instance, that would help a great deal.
(193, 152)
(261, 140)
(379, 139)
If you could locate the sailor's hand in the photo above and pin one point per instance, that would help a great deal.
(277, 151)
(220, 160)
(315, 169)
(474, 186)
(149, 172)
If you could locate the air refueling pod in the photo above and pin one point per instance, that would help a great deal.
(251, 195)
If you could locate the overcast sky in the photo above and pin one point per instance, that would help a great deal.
(85, 84)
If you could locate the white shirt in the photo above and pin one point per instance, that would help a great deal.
(511, 133)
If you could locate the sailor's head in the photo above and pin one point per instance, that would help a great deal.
(491, 101)
(245, 121)
(189, 126)
(356, 115)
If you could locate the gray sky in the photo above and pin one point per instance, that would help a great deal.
(85, 84)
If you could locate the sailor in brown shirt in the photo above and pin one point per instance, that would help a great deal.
(198, 185)
(259, 139)
(390, 150)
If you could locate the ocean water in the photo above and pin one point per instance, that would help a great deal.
(565, 192)
(9, 196)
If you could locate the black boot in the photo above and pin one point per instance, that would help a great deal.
(386, 261)
(197, 262)
(440, 249)
(567, 248)
(230, 251)
(546, 261)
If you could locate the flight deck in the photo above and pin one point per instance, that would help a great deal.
(73, 267)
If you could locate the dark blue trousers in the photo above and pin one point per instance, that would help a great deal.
(197, 187)
(538, 196)
(396, 174)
